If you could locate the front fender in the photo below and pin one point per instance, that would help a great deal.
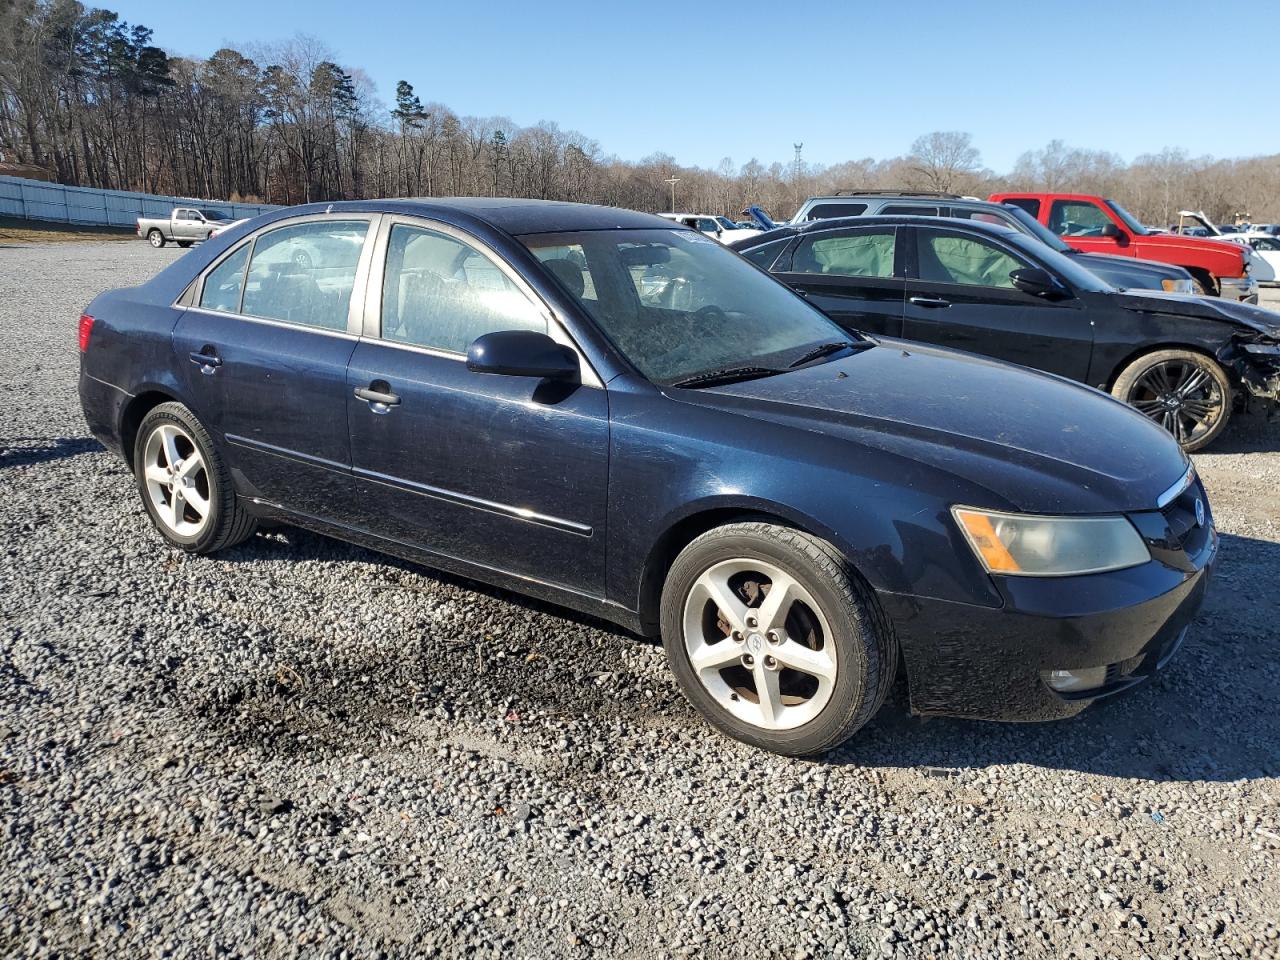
(671, 464)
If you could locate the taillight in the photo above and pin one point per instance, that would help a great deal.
(86, 325)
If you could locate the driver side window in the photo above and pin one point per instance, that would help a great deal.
(441, 293)
(964, 259)
(1070, 218)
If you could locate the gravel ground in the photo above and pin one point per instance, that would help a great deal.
(303, 748)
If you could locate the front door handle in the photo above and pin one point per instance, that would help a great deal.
(379, 396)
(933, 303)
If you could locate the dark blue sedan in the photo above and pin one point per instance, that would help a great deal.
(598, 408)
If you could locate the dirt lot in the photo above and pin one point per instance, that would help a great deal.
(300, 748)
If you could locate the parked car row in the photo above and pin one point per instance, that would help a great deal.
(618, 414)
(1125, 272)
(980, 286)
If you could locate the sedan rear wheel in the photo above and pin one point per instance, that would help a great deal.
(773, 639)
(1185, 392)
(185, 485)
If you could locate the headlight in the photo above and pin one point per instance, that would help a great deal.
(1184, 285)
(1022, 545)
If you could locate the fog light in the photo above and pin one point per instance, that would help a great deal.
(1073, 681)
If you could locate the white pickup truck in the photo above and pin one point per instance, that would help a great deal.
(185, 226)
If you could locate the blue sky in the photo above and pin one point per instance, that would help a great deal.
(709, 80)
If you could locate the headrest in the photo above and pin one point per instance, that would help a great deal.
(568, 273)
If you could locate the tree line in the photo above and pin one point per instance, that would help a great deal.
(92, 100)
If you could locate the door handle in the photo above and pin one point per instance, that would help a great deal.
(207, 362)
(932, 303)
(378, 395)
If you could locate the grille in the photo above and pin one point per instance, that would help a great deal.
(1180, 517)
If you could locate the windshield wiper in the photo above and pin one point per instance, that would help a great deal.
(822, 349)
(711, 378)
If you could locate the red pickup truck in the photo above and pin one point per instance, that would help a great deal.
(1098, 225)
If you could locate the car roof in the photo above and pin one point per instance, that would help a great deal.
(510, 215)
(893, 219)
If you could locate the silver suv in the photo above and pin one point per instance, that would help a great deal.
(1127, 273)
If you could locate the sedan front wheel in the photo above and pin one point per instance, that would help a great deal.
(774, 640)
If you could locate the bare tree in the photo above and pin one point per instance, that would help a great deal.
(942, 158)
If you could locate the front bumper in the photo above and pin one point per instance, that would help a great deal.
(1244, 289)
(993, 663)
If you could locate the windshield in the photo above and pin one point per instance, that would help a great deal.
(1129, 219)
(726, 223)
(1033, 227)
(678, 305)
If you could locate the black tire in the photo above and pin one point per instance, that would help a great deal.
(1150, 384)
(185, 243)
(228, 523)
(865, 646)
(1208, 284)
(155, 238)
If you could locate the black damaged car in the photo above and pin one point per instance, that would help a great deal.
(1184, 361)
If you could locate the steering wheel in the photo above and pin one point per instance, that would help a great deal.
(711, 312)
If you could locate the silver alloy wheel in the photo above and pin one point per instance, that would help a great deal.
(759, 643)
(1181, 396)
(155, 238)
(177, 480)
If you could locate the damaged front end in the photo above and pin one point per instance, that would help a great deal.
(1256, 363)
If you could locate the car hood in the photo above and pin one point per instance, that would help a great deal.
(1181, 243)
(1256, 319)
(1033, 441)
(1111, 261)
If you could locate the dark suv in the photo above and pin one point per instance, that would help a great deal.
(1126, 273)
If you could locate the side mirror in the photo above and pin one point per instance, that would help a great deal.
(1110, 230)
(1038, 283)
(522, 353)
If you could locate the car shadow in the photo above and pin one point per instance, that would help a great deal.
(1209, 716)
(1257, 431)
(284, 542)
(44, 449)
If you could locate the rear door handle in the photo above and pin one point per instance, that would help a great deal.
(207, 362)
(932, 303)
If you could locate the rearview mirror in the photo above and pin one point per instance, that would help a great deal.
(644, 255)
(522, 353)
(1110, 230)
(1038, 283)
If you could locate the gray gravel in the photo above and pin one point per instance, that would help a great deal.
(303, 748)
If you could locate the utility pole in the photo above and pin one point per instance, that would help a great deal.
(673, 181)
(795, 172)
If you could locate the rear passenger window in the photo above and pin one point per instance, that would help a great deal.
(1029, 204)
(766, 253)
(910, 209)
(825, 211)
(866, 253)
(439, 292)
(223, 285)
(304, 273)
